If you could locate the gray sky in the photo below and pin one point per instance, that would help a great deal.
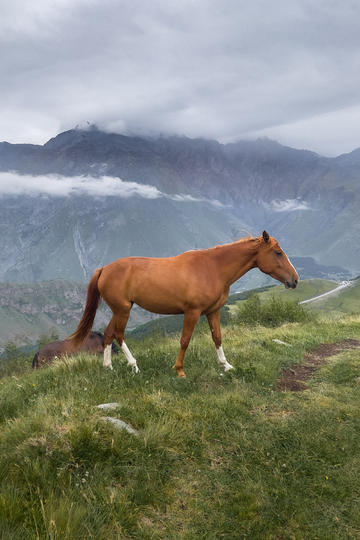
(224, 69)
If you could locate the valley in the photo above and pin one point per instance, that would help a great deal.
(87, 197)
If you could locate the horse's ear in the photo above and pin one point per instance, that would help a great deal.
(266, 236)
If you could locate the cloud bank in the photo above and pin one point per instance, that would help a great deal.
(13, 184)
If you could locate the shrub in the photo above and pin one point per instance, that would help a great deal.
(271, 312)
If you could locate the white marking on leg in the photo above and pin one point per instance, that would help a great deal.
(222, 359)
(107, 356)
(129, 357)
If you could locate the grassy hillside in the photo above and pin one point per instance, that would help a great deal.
(307, 288)
(217, 456)
(346, 301)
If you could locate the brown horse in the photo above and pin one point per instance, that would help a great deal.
(193, 283)
(94, 343)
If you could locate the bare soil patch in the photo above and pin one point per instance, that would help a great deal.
(294, 378)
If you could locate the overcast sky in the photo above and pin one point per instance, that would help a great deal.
(224, 69)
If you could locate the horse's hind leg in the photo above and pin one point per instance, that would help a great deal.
(214, 323)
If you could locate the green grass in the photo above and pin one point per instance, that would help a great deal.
(218, 455)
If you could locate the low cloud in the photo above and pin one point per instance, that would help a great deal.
(13, 184)
(287, 205)
(63, 186)
(189, 198)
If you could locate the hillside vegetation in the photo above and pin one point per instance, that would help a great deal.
(218, 455)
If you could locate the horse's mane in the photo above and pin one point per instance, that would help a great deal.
(254, 242)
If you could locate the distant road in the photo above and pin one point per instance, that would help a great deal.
(342, 285)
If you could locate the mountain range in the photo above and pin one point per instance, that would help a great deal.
(87, 197)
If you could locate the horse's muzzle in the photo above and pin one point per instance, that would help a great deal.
(291, 284)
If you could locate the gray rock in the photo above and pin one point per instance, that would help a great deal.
(108, 406)
(120, 424)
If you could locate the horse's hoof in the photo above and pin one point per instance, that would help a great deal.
(109, 367)
(228, 367)
(181, 374)
(135, 369)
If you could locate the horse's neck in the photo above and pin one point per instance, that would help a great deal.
(235, 259)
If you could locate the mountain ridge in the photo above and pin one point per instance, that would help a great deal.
(309, 202)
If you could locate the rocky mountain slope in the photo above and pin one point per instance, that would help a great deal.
(184, 194)
(28, 311)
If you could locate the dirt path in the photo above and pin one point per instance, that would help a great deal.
(341, 286)
(294, 378)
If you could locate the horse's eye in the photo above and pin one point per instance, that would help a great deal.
(279, 253)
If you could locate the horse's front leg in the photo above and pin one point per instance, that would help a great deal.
(214, 323)
(190, 320)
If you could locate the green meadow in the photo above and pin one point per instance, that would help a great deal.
(217, 455)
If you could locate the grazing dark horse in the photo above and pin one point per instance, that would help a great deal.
(94, 343)
(193, 283)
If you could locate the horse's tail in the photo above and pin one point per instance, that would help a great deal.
(92, 303)
(35, 362)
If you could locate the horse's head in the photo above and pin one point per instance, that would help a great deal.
(272, 260)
